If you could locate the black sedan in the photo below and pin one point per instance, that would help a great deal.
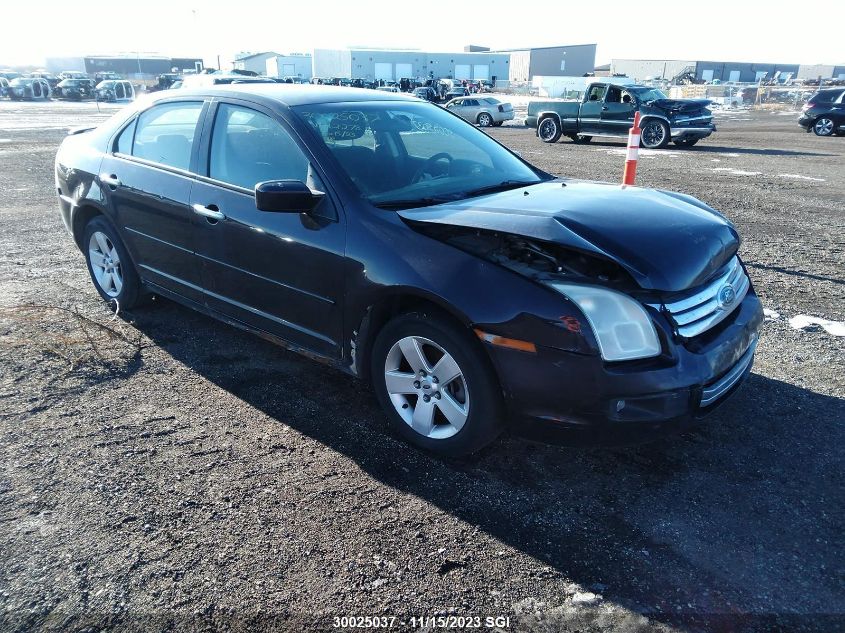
(75, 89)
(824, 113)
(397, 242)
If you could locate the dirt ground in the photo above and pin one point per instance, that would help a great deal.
(173, 473)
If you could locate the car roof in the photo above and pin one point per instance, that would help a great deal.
(295, 94)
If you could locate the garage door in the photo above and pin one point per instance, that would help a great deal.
(404, 70)
(288, 70)
(463, 71)
(481, 71)
(384, 70)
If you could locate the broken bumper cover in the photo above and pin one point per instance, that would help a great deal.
(553, 391)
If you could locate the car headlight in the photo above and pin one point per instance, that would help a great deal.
(623, 328)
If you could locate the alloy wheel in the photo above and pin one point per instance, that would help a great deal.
(426, 387)
(547, 129)
(105, 262)
(823, 127)
(653, 134)
(484, 120)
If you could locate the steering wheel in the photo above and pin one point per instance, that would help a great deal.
(429, 163)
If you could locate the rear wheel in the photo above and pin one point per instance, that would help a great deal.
(110, 266)
(654, 134)
(823, 127)
(548, 130)
(686, 142)
(485, 120)
(436, 386)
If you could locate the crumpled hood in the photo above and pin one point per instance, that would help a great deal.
(667, 241)
(681, 105)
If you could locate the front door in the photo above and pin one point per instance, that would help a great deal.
(147, 180)
(617, 113)
(278, 272)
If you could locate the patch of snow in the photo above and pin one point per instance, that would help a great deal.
(803, 321)
(771, 314)
(736, 172)
(5, 140)
(800, 177)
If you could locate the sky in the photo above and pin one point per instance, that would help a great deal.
(716, 30)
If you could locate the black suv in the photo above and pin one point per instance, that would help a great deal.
(397, 242)
(824, 113)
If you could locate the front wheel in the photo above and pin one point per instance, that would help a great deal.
(654, 134)
(110, 266)
(435, 385)
(823, 127)
(548, 130)
(485, 120)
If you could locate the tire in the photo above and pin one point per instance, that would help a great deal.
(581, 140)
(113, 272)
(485, 120)
(824, 126)
(654, 134)
(463, 414)
(548, 129)
(688, 142)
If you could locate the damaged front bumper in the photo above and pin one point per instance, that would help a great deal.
(556, 395)
(679, 133)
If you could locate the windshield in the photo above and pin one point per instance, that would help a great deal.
(652, 94)
(413, 154)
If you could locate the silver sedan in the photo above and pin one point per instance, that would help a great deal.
(485, 111)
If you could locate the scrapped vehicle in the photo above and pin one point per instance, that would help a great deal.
(73, 74)
(29, 89)
(166, 81)
(425, 93)
(220, 79)
(107, 75)
(75, 89)
(608, 110)
(824, 113)
(51, 79)
(8, 75)
(4, 87)
(114, 90)
(392, 240)
(454, 93)
(485, 111)
(387, 88)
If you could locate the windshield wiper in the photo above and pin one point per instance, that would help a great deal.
(502, 186)
(410, 203)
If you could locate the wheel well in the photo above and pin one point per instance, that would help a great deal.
(81, 218)
(380, 314)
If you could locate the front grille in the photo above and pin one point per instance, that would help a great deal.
(700, 309)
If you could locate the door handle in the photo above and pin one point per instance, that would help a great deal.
(111, 180)
(210, 211)
(604, 108)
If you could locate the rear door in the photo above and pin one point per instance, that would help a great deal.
(278, 272)
(147, 179)
(590, 115)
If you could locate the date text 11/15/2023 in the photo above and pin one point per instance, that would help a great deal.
(454, 622)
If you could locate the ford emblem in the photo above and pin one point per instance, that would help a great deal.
(726, 296)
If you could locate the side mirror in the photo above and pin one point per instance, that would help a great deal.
(286, 196)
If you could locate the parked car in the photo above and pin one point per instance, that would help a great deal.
(220, 79)
(51, 79)
(418, 253)
(425, 93)
(73, 74)
(608, 110)
(106, 76)
(485, 111)
(454, 93)
(114, 90)
(29, 89)
(75, 89)
(9, 74)
(4, 87)
(388, 88)
(824, 113)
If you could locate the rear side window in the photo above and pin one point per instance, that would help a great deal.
(165, 133)
(825, 96)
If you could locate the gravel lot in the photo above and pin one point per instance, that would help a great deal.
(173, 473)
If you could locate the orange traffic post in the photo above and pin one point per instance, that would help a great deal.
(630, 174)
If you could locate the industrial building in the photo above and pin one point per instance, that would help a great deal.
(474, 63)
(253, 62)
(132, 65)
(707, 71)
(294, 65)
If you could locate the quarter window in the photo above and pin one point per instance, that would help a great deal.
(124, 141)
(248, 147)
(165, 133)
